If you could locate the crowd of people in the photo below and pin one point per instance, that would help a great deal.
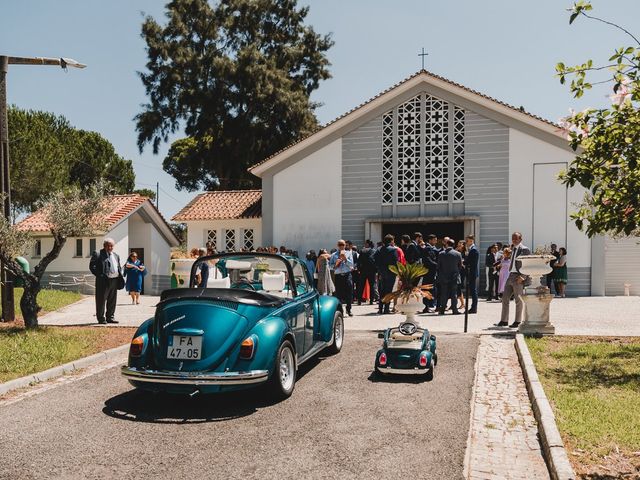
(357, 275)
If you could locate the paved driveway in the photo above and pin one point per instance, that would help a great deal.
(339, 423)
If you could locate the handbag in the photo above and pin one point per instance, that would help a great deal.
(120, 282)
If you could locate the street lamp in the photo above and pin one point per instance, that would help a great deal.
(6, 280)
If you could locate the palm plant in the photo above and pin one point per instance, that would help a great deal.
(408, 279)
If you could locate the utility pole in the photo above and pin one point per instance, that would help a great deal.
(6, 279)
(158, 195)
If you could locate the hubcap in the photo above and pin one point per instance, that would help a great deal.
(337, 332)
(286, 369)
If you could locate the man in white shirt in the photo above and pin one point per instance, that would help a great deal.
(515, 283)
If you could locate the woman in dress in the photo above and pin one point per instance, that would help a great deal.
(135, 271)
(503, 266)
(325, 284)
(560, 273)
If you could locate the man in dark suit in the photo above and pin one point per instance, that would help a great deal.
(430, 260)
(412, 253)
(385, 256)
(449, 265)
(367, 268)
(515, 282)
(473, 271)
(105, 265)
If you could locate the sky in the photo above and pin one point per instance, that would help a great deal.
(507, 49)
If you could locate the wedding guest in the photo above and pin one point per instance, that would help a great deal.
(503, 269)
(325, 284)
(134, 271)
(490, 262)
(560, 273)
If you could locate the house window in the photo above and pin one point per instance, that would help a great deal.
(247, 241)
(423, 152)
(212, 239)
(92, 246)
(78, 247)
(37, 249)
(230, 240)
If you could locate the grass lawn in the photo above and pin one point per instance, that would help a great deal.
(50, 300)
(23, 352)
(593, 385)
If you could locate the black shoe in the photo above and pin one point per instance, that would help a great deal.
(350, 314)
(501, 324)
(359, 303)
(112, 321)
(440, 312)
(472, 311)
(102, 322)
(514, 325)
(456, 312)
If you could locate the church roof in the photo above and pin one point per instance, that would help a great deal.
(517, 113)
(119, 207)
(222, 205)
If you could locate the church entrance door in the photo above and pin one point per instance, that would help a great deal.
(454, 230)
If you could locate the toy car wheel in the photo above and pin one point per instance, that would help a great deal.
(338, 334)
(283, 379)
(429, 375)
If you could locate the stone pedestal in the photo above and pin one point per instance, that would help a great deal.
(536, 314)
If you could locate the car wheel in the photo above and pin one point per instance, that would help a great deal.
(283, 379)
(338, 334)
(429, 375)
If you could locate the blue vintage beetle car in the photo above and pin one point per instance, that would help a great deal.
(407, 349)
(258, 319)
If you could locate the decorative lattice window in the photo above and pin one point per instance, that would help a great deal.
(409, 150)
(230, 240)
(212, 238)
(247, 240)
(387, 158)
(422, 157)
(458, 154)
(437, 150)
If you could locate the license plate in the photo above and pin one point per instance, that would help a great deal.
(185, 347)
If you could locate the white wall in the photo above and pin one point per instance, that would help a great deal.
(526, 151)
(140, 237)
(197, 232)
(307, 201)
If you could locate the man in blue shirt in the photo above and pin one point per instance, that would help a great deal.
(341, 262)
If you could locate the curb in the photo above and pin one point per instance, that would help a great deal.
(62, 369)
(555, 454)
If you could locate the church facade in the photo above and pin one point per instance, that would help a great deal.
(433, 156)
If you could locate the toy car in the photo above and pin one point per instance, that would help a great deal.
(258, 319)
(407, 350)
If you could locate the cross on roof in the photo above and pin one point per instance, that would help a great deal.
(423, 54)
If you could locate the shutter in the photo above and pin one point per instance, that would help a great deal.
(622, 265)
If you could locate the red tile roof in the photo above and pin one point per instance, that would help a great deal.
(222, 205)
(397, 85)
(119, 206)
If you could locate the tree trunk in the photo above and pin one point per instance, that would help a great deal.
(29, 303)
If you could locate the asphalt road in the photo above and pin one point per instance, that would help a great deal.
(339, 423)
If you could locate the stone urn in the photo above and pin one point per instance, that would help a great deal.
(537, 298)
(410, 307)
(180, 272)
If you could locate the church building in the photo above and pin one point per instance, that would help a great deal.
(433, 156)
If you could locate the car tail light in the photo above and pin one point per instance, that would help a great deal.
(247, 348)
(423, 359)
(382, 359)
(137, 344)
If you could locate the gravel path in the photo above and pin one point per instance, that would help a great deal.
(339, 423)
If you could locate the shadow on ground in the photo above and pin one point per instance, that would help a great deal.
(141, 406)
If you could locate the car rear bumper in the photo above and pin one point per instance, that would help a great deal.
(403, 371)
(195, 378)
